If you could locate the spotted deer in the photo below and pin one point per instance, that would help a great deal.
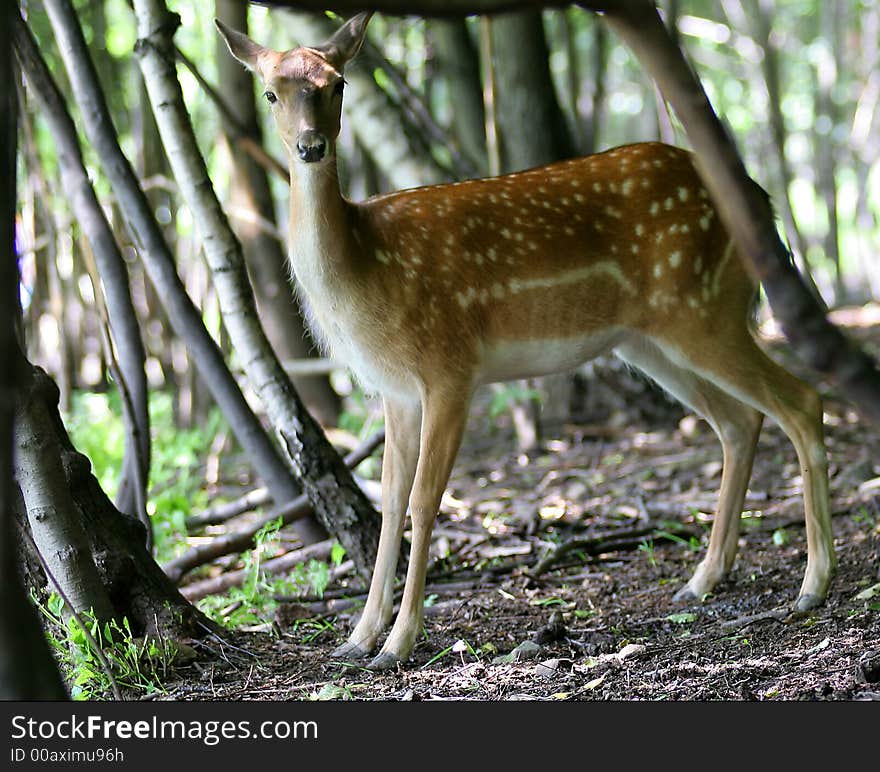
(430, 292)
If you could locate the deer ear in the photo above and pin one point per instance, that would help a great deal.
(240, 45)
(347, 40)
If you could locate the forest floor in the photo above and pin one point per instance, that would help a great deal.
(600, 623)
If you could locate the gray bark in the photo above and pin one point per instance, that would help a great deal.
(53, 517)
(122, 318)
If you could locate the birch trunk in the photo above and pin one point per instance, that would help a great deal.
(338, 502)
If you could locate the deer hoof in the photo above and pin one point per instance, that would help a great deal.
(685, 595)
(350, 652)
(807, 602)
(385, 660)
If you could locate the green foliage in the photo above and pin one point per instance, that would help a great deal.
(175, 490)
(256, 601)
(139, 664)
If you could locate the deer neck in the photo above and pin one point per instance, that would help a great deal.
(319, 229)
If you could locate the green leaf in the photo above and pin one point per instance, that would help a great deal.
(682, 618)
(337, 553)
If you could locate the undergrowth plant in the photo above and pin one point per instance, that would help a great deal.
(255, 602)
(141, 665)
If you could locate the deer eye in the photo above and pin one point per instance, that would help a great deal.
(339, 87)
(270, 95)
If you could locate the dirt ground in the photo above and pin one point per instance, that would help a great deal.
(600, 622)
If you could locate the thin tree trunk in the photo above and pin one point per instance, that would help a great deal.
(184, 317)
(27, 670)
(598, 78)
(264, 254)
(339, 504)
(825, 149)
(760, 21)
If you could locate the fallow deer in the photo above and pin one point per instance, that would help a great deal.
(430, 292)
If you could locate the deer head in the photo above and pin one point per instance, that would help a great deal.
(304, 86)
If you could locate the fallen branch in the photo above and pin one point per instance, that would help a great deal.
(196, 590)
(239, 541)
(226, 510)
(596, 545)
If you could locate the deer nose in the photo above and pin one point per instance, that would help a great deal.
(311, 146)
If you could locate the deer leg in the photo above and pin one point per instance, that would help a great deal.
(737, 426)
(737, 365)
(398, 468)
(443, 419)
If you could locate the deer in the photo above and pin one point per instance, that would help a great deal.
(430, 292)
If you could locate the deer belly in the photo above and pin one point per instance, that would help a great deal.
(509, 359)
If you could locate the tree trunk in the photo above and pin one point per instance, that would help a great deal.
(264, 254)
(459, 65)
(52, 516)
(533, 131)
(825, 148)
(135, 584)
(184, 317)
(531, 125)
(338, 502)
(123, 321)
(27, 670)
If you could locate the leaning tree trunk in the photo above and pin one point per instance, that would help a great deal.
(264, 253)
(157, 259)
(338, 502)
(128, 348)
(27, 670)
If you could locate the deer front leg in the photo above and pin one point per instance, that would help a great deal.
(398, 468)
(443, 420)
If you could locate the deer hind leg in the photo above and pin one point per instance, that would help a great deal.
(735, 363)
(443, 418)
(402, 421)
(737, 426)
